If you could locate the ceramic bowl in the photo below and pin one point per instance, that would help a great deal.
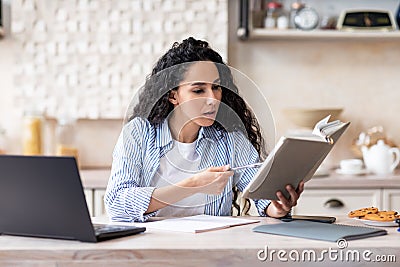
(308, 117)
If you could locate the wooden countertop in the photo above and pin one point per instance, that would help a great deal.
(98, 179)
(369, 181)
(236, 246)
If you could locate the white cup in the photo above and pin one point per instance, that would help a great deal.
(351, 165)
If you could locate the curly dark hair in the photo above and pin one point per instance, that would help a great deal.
(160, 83)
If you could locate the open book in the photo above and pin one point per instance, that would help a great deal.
(294, 158)
(324, 130)
(198, 223)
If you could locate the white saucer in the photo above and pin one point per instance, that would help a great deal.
(321, 173)
(352, 172)
(377, 223)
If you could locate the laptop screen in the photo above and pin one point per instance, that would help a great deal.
(43, 196)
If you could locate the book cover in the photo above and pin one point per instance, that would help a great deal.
(294, 158)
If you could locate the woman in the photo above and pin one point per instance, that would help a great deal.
(190, 125)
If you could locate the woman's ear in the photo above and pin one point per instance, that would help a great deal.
(172, 97)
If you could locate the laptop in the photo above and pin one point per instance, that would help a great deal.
(42, 196)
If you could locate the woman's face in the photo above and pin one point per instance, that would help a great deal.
(198, 96)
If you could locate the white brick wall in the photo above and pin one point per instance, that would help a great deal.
(94, 53)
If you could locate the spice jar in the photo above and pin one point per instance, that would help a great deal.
(65, 138)
(32, 134)
(274, 11)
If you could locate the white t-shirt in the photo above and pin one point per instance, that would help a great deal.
(179, 163)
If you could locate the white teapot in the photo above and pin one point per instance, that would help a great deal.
(381, 158)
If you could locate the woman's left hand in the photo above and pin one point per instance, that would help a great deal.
(280, 208)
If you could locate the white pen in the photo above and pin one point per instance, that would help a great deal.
(255, 165)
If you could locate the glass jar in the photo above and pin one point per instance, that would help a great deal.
(2, 141)
(296, 6)
(32, 134)
(257, 13)
(274, 11)
(282, 22)
(65, 138)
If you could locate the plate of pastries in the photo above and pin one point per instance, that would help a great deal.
(375, 217)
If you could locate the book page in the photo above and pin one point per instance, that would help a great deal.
(320, 125)
(321, 132)
(198, 223)
(324, 128)
(331, 128)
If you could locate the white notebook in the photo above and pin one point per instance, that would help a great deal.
(198, 223)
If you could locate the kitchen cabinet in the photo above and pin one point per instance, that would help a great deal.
(337, 201)
(316, 201)
(391, 199)
(98, 198)
(95, 201)
(95, 182)
(337, 194)
(89, 200)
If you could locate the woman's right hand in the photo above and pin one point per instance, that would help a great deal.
(210, 181)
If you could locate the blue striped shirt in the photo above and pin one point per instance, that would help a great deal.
(136, 158)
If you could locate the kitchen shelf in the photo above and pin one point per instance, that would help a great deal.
(247, 31)
(266, 34)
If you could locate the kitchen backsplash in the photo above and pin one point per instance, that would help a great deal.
(90, 55)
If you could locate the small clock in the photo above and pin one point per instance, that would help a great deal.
(306, 18)
(381, 20)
